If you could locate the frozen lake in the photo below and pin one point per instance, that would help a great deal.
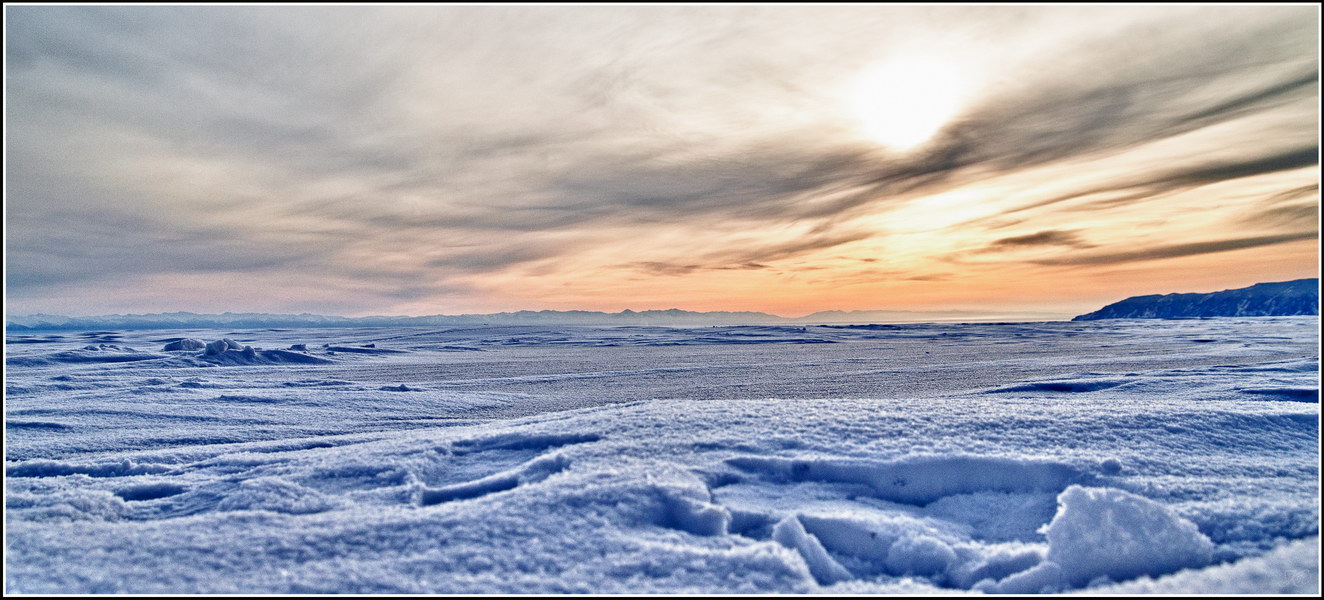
(1103, 456)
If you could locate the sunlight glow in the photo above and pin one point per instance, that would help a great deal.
(903, 102)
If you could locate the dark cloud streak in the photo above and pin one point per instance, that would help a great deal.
(1042, 238)
(1152, 185)
(1176, 250)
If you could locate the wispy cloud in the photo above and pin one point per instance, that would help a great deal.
(1151, 185)
(1042, 238)
(1176, 250)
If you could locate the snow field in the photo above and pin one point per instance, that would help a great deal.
(311, 478)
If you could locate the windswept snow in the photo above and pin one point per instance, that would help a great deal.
(1099, 457)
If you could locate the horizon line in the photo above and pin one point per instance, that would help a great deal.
(549, 310)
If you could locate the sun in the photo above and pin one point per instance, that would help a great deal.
(903, 102)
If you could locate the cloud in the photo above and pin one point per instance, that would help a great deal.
(393, 145)
(60, 248)
(663, 268)
(751, 259)
(1293, 194)
(1042, 238)
(784, 250)
(1303, 86)
(498, 256)
(1176, 250)
(1150, 185)
(1294, 216)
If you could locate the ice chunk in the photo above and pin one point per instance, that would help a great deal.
(150, 491)
(251, 356)
(1106, 531)
(185, 344)
(54, 468)
(533, 471)
(696, 516)
(921, 555)
(790, 533)
(994, 565)
(920, 480)
(1046, 577)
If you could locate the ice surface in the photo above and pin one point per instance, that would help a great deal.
(1098, 457)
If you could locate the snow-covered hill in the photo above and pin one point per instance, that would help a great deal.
(1283, 298)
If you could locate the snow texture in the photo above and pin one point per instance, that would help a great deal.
(1119, 456)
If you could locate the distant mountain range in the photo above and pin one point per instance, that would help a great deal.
(1285, 298)
(672, 318)
(1282, 298)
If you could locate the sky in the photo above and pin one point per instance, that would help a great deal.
(413, 160)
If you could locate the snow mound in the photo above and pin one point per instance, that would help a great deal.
(26, 339)
(363, 350)
(1289, 569)
(150, 491)
(924, 479)
(249, 356)
(274, 494)
(521, 441)
(1290, 394)
(222, 345)
(185, 344)
(54, 468)
(1062, 386)
(1116, 534)
(791, 533)
(922, 555)
(689, 510)
(108, 347)
(37, 425)
(1044, 578)
(68, 505)
(102, 354)
(533, 471)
